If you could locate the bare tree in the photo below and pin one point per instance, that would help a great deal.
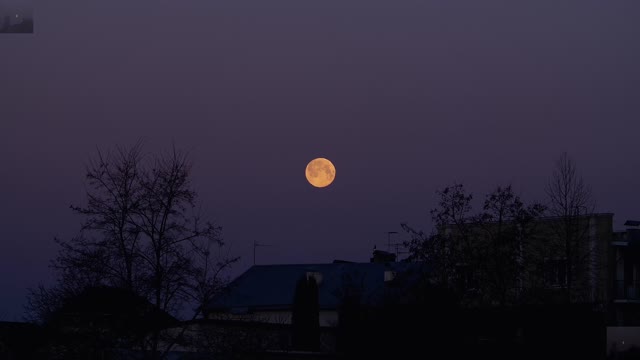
(506, 226)
(449, 245)
(43, 301)
(142, 231)
(570, 200)
(483, 255)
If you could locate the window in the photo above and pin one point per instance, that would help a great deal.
(316, 275)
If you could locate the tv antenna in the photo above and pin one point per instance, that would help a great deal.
(255, 245)
(397, 245)
(389, 239)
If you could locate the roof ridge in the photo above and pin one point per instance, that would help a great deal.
(312, 264)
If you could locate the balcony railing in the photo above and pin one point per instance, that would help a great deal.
(627, 291)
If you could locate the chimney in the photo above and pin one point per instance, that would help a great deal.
(632, 232)
(380, 256)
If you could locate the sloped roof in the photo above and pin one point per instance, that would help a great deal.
(265, 287)
(111, 303)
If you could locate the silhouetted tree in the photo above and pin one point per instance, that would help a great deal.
(141, 233)
(506, 227)
(305, 316)
(483, 255)
(570, 200)
(449, 245)
(350, 337)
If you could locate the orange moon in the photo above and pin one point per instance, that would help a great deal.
(320, 172)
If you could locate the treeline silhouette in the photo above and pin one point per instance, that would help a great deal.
(489, 290)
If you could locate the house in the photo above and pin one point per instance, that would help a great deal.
(102, 320)
(625, 274)
(265, 293)
(601, 280)
(605, 267)
(260, 302)
(582, 271)
(549, 260)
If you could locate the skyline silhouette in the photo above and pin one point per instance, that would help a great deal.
(404, 98)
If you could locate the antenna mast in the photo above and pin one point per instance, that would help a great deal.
(389, 239)
(255, 245)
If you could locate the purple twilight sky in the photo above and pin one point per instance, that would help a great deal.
(404, 96)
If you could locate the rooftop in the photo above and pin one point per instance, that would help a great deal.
(271, 287)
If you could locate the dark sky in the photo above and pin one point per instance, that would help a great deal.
(404, 96)
(13, 7)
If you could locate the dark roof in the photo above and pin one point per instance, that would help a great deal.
(632, 223)
(267, 287)
(111, 302)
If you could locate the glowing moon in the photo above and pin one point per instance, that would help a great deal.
(320, 172)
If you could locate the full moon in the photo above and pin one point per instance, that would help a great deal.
(320, 172)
